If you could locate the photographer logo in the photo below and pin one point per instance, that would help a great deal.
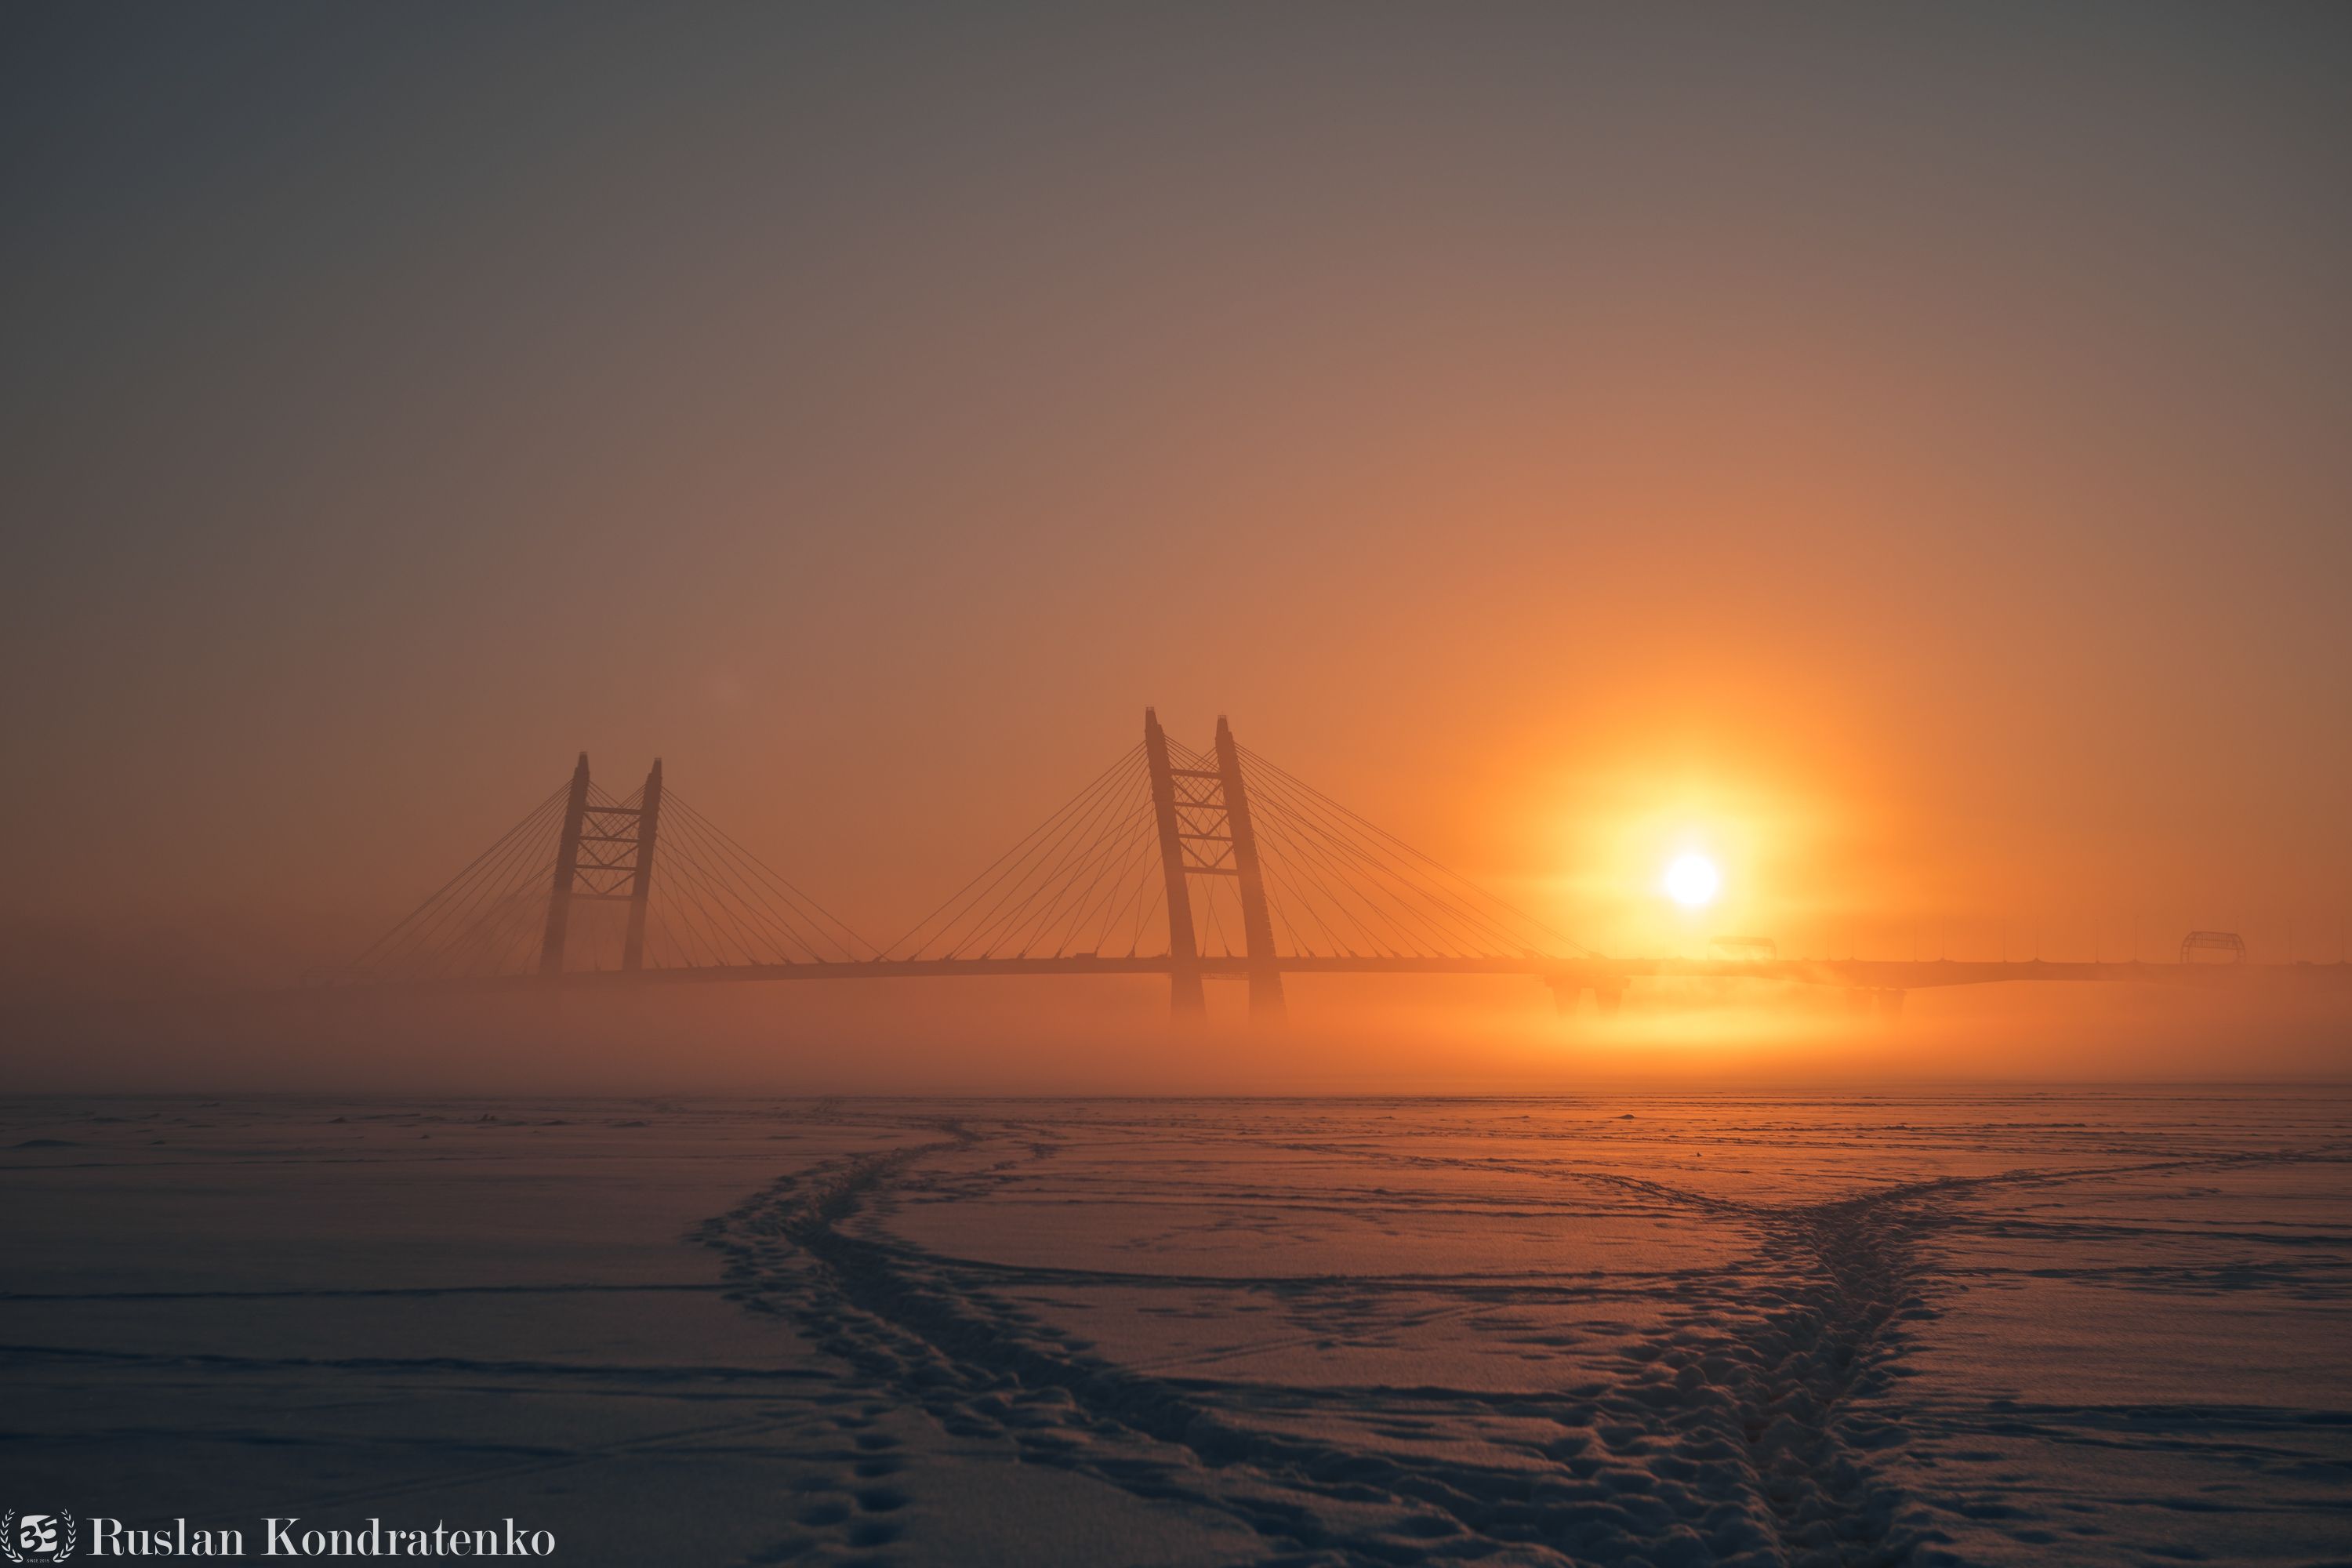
(37, 1537)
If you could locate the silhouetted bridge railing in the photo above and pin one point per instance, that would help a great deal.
(1171, 862)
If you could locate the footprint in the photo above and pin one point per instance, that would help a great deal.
(881, 1500)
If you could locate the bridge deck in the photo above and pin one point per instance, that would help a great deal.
(1869, 975)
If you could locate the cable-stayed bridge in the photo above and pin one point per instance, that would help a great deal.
(1171, 861)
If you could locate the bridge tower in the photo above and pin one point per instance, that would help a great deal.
(641, 872)
(567, 866)
(1258, 925)
(605, 855)
(1184, 998)
(1206, 831)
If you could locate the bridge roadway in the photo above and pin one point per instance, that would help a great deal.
(1606, 977)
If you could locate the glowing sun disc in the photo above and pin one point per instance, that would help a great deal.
(1693, 880)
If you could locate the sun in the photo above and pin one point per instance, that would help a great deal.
(1693, 880)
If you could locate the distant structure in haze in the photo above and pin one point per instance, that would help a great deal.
(1194, 865)
(2222, 942)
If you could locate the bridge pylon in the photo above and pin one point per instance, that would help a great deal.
(1203, 819)
(1258, 925)
(567, 866)
(1185, 1002)
(641, 874)
(605, 855)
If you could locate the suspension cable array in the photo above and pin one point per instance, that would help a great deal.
(1085, 881)
(1088, 880)
(1190, 865)
(717, 903)
(1263, 870)
(486, 919)
(1340, 885)
(713, 903)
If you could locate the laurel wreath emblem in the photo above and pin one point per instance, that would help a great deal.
(8, 1537)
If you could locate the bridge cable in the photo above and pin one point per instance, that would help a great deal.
(817, 915)
(1048, 871)
(1012, 863)
(401, 931)
(1058, 882)
(720, 877)
(1412, 925)
(960, 904)
(439, 939)
(1292, 779)
(1452, 910)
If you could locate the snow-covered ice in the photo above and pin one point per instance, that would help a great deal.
(1977, 1327)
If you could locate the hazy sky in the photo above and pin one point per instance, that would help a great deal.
(1903, 448)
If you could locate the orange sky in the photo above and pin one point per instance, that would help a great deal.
(1903, 455)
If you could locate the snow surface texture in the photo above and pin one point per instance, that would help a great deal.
(1983, 1328)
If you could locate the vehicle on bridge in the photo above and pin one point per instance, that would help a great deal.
(2228, 943)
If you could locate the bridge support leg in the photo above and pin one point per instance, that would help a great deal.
(567, 867)
(641, 885)
(1265, 1002)
(1609, 995)
(1890, 1006)
(1564, 990)
(1185, 1002)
